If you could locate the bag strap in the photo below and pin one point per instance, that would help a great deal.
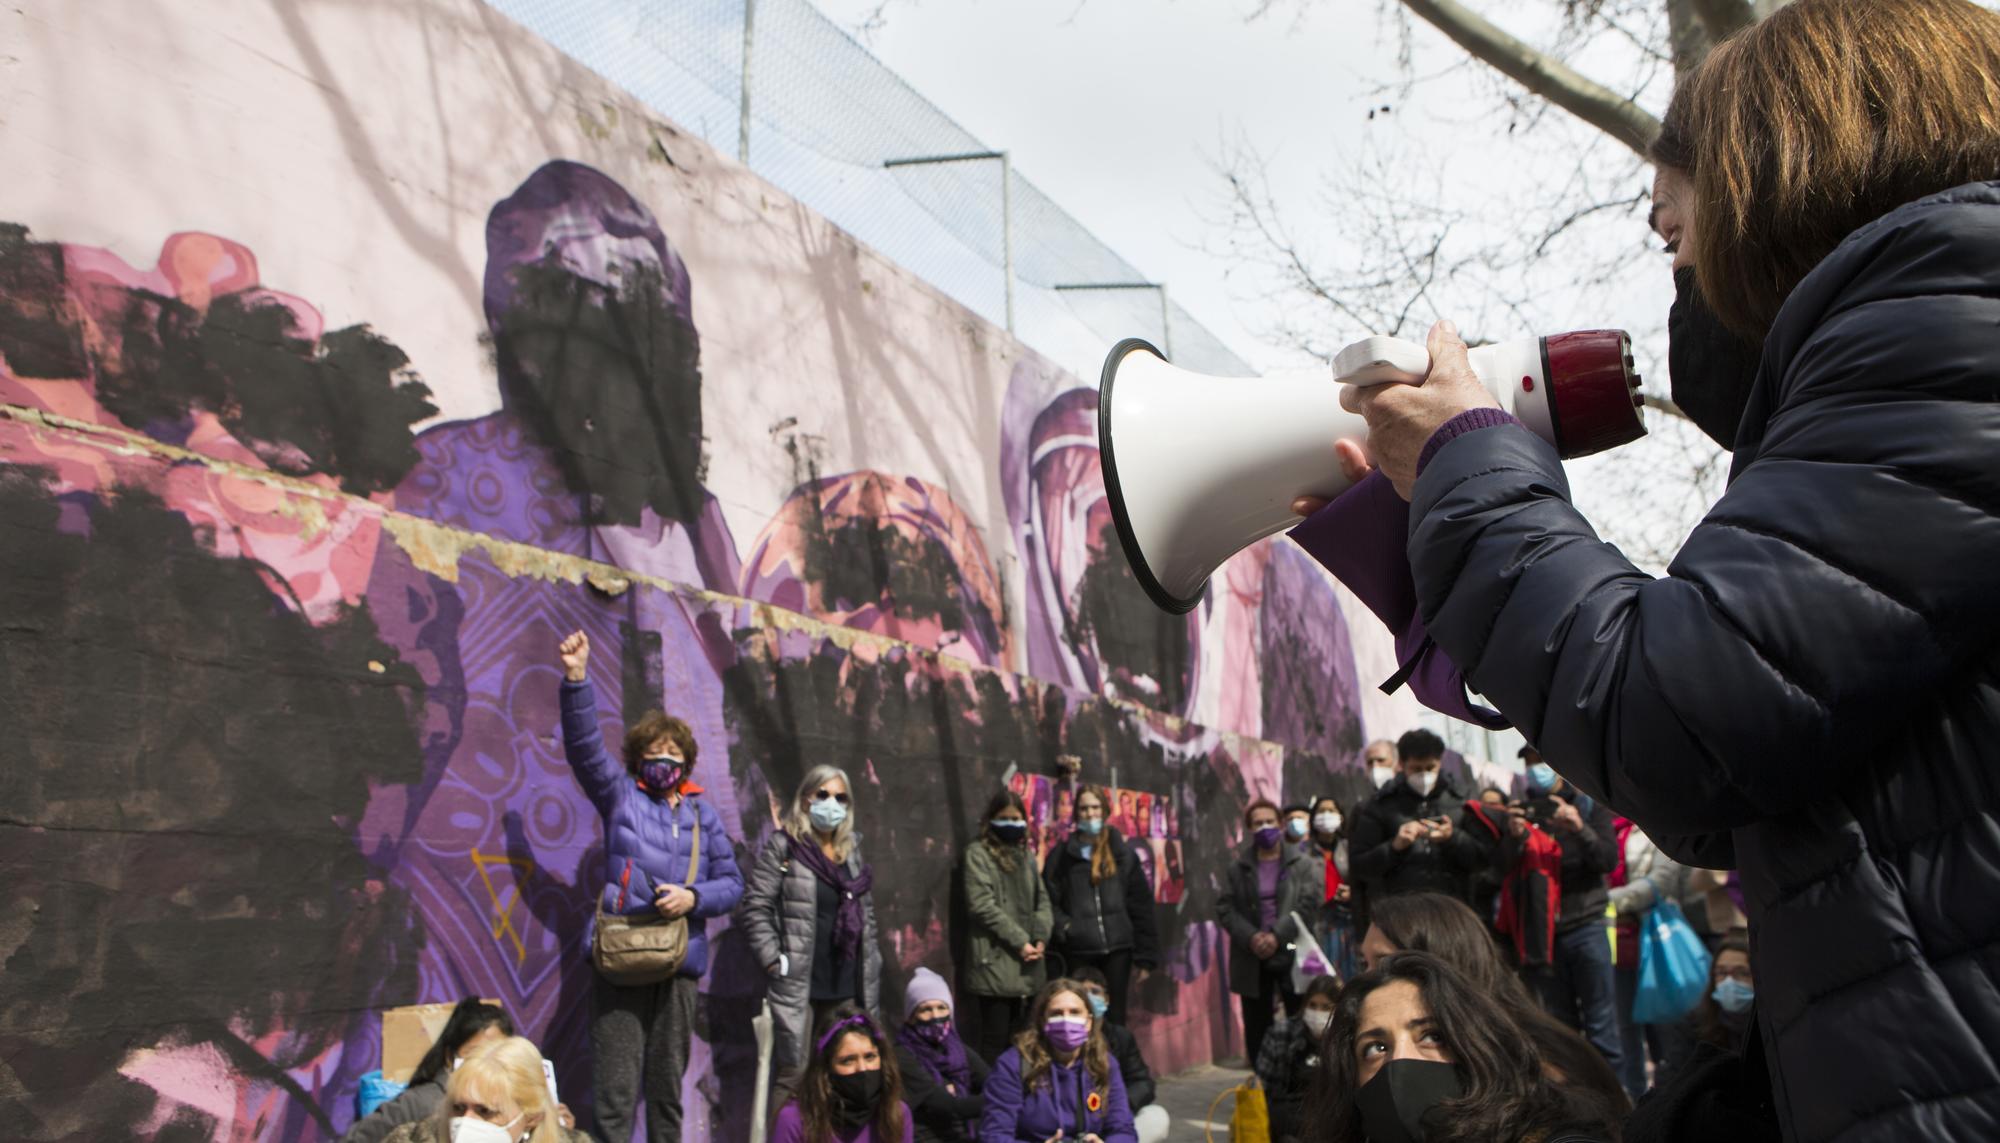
(694, 862)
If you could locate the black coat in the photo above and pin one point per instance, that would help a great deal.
(1444, 867)
(1114, 914)
(1238, 909)
(1812, 693)
(1139, 1088)
(938, 1116)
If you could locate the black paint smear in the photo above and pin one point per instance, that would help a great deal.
(642, 669)
(40, 335)
(940, 748)
(1135, 640)
(182, 762)
(343, 407)
(610, 379)
(914, 577)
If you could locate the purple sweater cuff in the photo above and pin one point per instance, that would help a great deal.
(1471, 420)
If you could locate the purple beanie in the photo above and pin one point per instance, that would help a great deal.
(925, 985)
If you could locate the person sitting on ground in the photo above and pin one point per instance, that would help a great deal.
(474, 1026)
(1417, 1051)
(851, 1090)
(942, 1077)
(1722, 1019)
(1149, 1119)
(499, 1095)
(1290, 1059)
(1448, 929)
(1059, 1079)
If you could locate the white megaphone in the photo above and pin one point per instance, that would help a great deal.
(1197, 468)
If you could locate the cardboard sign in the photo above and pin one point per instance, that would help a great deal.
(409, 1032)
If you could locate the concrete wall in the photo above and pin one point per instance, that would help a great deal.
(350, 354)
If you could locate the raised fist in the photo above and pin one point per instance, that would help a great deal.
(575, 652)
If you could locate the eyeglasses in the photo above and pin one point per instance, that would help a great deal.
(823, 795)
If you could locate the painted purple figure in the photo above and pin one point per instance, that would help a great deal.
(595, 453)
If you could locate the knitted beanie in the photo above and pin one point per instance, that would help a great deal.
(924, 985)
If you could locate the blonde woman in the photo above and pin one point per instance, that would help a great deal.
(809, 916)
(497, 1096)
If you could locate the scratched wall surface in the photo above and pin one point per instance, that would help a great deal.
(349, 356)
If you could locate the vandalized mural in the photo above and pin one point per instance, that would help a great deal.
(301, 485)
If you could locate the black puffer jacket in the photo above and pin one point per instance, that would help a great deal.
(1426, 866)
(1812, 694)
(1115, 914)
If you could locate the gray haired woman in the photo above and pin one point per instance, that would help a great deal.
(809, 916)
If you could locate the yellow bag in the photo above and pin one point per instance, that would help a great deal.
(1250, 1122)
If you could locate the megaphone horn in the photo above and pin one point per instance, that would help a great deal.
(1197, 468)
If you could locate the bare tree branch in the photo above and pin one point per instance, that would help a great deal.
(1541, 73)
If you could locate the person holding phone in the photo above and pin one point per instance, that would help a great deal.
(1407, 838)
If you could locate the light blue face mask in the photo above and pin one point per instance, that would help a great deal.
(1098, 1005)
(827, 814)
(1091, 826)
(1734, 996)
(1542, 776)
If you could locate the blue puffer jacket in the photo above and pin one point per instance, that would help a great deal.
(1812, 693)
(1060, 1106)
(645, 839)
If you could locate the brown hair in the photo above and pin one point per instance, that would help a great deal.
(651, 727)
(1826, 116)
(1034, 1049)
(1103, 858)
(1708, 1025)
(815, 1092)
(1256, 804)
(1503, 1091)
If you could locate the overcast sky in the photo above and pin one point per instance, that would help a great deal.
(1117, 109)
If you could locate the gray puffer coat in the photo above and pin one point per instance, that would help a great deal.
(777, 916)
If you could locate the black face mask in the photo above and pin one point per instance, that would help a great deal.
(1710, 368)
(1394, 1103)
(855, 1097)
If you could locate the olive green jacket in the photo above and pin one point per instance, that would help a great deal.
(1008, 910)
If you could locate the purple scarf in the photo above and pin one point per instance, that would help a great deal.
(848, 920)
(945, 1060)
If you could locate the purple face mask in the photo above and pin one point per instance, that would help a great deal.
(1267, 837)
(661, 776)
(1067, 1033)
(934, 1030)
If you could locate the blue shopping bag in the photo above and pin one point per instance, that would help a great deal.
(1673, 967)
(374, 1092)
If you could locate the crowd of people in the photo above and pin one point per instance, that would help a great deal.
(1439, 963)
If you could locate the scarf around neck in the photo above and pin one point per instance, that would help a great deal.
(848, 919)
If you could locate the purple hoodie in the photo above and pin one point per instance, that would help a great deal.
(1061, 1105)
(647, 841)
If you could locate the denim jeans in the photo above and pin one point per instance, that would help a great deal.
(1579, 988)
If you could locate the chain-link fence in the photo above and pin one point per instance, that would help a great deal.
(829, 124)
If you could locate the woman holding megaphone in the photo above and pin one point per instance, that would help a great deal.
(1811, 693)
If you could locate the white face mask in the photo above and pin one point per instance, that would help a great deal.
(1380, 775)
(466, 1129)
(1317, 1020)
(1326, 823)
(1424, 783)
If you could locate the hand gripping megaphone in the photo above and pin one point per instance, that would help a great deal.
(1197, 468)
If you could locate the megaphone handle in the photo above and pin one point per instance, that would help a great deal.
(1377, 360)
